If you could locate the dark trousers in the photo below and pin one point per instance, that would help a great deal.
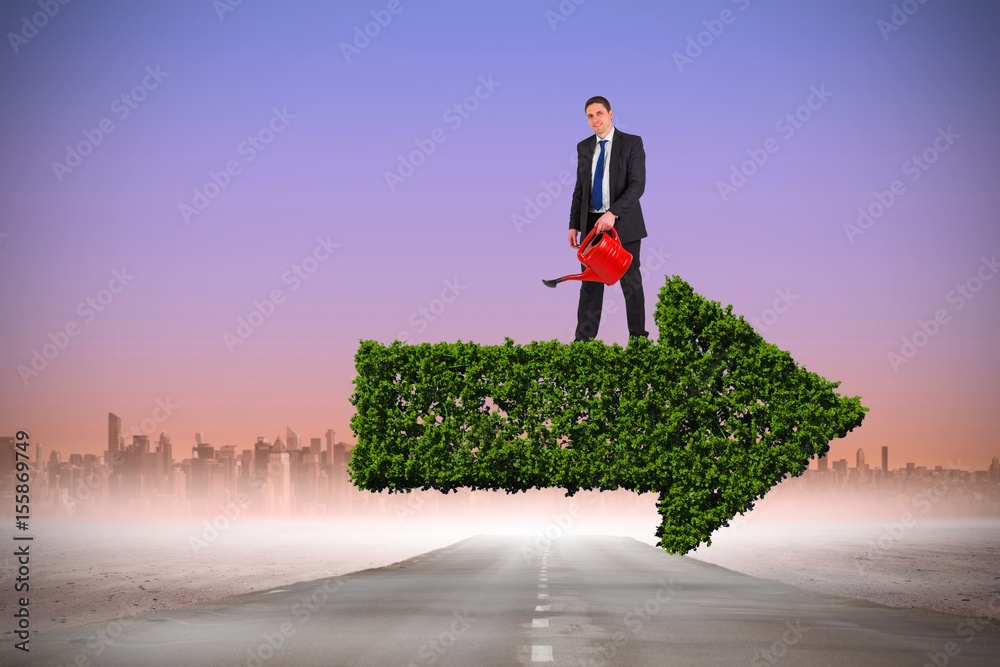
(588, 314)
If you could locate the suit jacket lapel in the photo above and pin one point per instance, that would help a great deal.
(616, 151)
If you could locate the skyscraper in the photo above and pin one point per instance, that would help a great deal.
(861, 459)
(822, 463)
(279, 478)
(292, 438)
(261, 454)
(8, 464)
(166, 450)
(166, 453)
(885, 459)
(114, 432)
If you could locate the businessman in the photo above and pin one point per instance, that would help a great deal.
(610, 178)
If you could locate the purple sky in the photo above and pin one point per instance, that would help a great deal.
(309, 135)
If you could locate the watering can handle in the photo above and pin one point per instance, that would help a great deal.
(590, 235)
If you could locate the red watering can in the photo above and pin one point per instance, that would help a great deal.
(603, 255)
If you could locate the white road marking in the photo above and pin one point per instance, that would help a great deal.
(541, 654)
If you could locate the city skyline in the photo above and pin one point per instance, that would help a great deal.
(286, 478)
(116, 441)
(266, 479)
(199, 231)
(839, 448)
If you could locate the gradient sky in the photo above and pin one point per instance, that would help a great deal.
(347, 120)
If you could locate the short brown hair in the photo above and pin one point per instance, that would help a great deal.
(598, 100)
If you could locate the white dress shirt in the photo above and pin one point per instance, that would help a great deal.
(606, 187)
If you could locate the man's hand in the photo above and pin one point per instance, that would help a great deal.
(573, 242)
(605, 222)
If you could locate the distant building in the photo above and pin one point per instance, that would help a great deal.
(261, 454)
(822, 463)
(8, 464)
(279, 479)
(166, 453)
(860, 462)
(292, 440)
(114, 432)
(885, 460)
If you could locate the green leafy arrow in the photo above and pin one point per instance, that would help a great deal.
(711, 416)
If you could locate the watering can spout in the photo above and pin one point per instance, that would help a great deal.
(589, 274)
(603, 257)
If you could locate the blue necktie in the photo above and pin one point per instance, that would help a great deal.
(597, 192)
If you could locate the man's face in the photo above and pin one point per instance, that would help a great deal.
(599, 119)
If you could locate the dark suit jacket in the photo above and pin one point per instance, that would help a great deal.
(627, 183)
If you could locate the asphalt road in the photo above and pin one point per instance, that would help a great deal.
(513, 601)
